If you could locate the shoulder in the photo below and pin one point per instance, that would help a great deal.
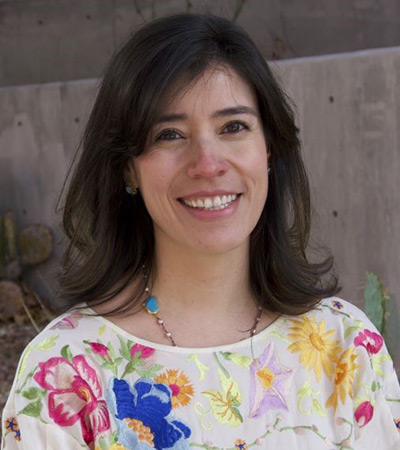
(65, 335)
(338, 323)
(344, 316)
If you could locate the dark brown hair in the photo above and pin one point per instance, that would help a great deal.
(111, 233)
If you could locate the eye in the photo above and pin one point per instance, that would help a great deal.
(167, 135)
(235, 126)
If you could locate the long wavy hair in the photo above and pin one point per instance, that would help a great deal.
(111, 233)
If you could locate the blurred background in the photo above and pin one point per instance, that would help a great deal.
(338, 60)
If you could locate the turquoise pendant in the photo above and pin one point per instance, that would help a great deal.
(151, 305)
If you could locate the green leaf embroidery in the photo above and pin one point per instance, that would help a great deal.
(102, 329)
(47, 344)
(103, 444)
(318, 408)
(33, 393)
(124, 351)
(118, 361)
(111, 350)
(304, 392)
(377, 362)
(129, 368)
(32, 409)
(66, 353)
(114, 438)
(237, 358)
(200, 366)
(350, 330)
(22, 366)
(150, 372)
(224, 404)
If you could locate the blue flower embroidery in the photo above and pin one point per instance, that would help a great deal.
(146, 406)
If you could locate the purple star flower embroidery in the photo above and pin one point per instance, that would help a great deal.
(269, 383)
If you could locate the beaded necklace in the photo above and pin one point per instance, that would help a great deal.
(151, 307)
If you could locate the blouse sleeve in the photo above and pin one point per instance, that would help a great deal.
(377, 393)
(28, 417)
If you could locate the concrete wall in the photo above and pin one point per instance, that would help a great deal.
(59, 40)
(349, 113)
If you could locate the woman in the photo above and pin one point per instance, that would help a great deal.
(198, 320)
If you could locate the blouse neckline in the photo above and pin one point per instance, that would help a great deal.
(187, 350)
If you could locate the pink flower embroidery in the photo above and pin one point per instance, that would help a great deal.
(74, 394)
(100, 350)
(371, 341)
(68, 322)
(269, 383)
(363, 414)
(146, 352)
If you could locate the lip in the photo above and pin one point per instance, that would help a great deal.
(205, 194)
(210, 215)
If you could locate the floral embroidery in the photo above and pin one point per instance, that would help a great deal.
(344, 376)
(100, 350)
(363, 414)
(11, 424)
(74, 395)
(338, 305)
(371, 341)
(68, 322)
(224, 404)
(152, 393)
(144, 433)
(270, 383)
(317, 351)
(240, 444)
(144, 415)
(115, 446)
(144, 352)
(181, 389)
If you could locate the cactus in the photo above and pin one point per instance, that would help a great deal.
(32, 246)
(36, 244)
(381, 309)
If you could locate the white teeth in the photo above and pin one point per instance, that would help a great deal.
(217, 202)
(209, 203)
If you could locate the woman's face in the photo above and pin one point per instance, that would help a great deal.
(203, 176)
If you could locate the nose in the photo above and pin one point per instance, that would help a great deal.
(206, 160)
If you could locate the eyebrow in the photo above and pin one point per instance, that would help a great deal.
(231, 111)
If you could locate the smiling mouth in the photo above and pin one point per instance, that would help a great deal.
(210, 203)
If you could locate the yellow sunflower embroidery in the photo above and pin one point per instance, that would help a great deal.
(317, 351)
(344, 377)
(182, 390)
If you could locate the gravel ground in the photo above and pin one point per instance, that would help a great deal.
(14, 339)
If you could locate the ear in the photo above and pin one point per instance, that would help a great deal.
(130, 173)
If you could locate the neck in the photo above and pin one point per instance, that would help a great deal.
(203, 284)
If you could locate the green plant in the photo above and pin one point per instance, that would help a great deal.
(20, 251)
(381, 308)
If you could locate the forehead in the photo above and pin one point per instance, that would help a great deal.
(215, 88)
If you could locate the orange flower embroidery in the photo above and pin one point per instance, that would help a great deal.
(143, 433)
(344, 377)
(182, 390)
